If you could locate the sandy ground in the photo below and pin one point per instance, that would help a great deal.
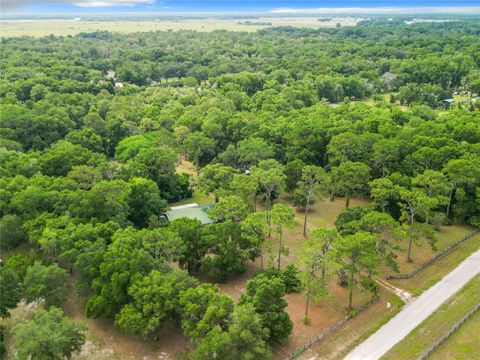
(108, 342)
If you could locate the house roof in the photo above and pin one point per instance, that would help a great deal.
(449, 101)
(199, 212)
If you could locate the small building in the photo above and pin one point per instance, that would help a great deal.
(190, 211)
(447, 102)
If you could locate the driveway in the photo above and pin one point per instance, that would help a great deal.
(417, 311)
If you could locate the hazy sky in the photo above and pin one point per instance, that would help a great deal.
(96, 6)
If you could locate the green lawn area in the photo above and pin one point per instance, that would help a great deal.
(198, 197)
(464, 344)
(438, 324)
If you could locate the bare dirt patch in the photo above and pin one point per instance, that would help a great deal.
(339, 343)
(105, 339)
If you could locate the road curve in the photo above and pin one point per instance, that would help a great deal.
(417, 311)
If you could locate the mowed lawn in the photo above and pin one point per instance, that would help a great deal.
(464, 344)
(439, 323)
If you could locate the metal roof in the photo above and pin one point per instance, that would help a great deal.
(199, 212)
(450, 101)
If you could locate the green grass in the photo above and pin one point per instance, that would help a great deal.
(198, 197)
(438, 324)
(435, 272)
(464, 344)
(397, 304)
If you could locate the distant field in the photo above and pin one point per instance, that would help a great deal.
(38, 28)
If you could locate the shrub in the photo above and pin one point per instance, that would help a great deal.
(290, 279)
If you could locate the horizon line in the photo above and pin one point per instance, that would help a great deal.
(364, 10)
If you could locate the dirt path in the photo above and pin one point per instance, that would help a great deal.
(402, 294)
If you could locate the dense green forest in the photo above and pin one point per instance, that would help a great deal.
(93, 126)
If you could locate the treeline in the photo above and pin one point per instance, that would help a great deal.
(380, 59)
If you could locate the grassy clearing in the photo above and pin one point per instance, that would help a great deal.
(422, 251)
(439, 323)
(433, 273)
(38, 28)
(323, 213)
(186, 167)
(198, 197)
(464, 344)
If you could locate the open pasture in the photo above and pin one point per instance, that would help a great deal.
(39, 28)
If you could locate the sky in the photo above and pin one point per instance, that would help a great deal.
(168, 6)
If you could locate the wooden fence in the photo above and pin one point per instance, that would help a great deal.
(440, 341)
(328, 331)
(435, 258)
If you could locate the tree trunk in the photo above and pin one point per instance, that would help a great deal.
(410, 241)
(409, 256)
(216, 197)
(350, 285)
(450, 195)
(308, 302)
(347, 200)
(279, 248)
(306, 215)
(323, 278)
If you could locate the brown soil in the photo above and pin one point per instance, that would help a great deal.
(339, 343)
(170, 340)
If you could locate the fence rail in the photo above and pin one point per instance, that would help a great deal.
(328, 331)
(440, 341)
(435, 258)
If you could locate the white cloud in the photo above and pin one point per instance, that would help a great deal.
(18, 4)
(109, 3)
